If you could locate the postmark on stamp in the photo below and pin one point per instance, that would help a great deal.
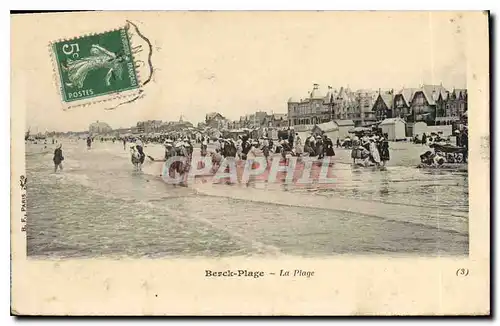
(95, 65)
(101, 67)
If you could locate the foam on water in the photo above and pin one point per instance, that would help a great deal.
(432, 217)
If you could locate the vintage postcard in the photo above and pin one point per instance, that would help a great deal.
(250, 163)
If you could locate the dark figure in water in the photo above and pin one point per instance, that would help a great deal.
(124, 143)
(89, 142)
(383, 149)
(140, 149)
(169, 150)
(58, 158)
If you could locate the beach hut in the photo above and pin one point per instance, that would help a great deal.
(395, 128)
(331, 129)
(419, 129)
(360, 130)
(344, 127)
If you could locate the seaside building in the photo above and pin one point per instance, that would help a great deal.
(99, 127)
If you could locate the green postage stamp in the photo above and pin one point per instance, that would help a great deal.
(98, 67)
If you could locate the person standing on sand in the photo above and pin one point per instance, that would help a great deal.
(58, 158)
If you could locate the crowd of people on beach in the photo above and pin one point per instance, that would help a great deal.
(246, 148)
(372, 148)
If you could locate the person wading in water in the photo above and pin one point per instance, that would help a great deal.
(384, 151)
(89, 142)
(140, 149)
(58, 158)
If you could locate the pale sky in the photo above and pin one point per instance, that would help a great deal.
(237, 63)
